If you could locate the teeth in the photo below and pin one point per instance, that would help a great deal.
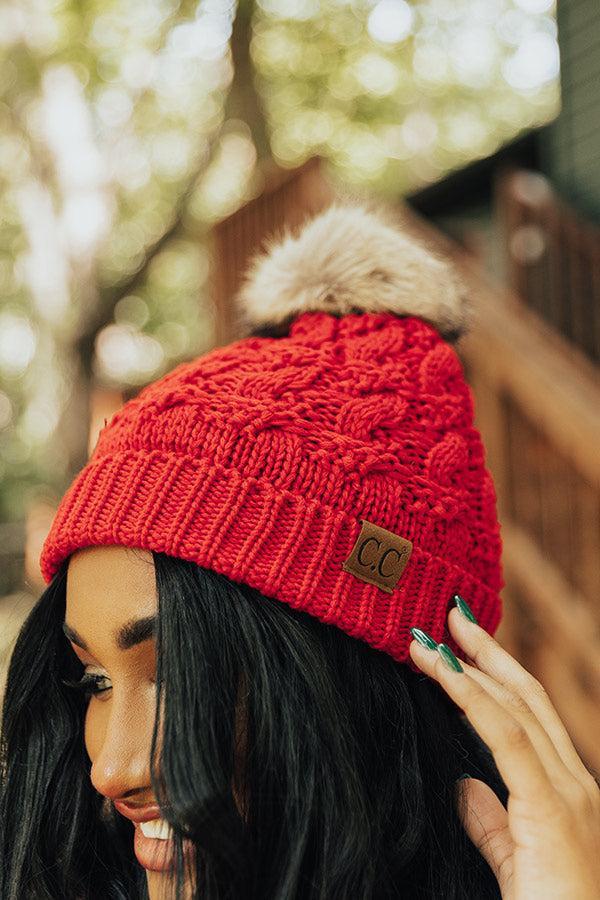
(156, 828)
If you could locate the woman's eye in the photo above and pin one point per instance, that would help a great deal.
(89, 684)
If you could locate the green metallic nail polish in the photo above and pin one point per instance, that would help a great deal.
(465, 608)
(423, 638)
(449, 658)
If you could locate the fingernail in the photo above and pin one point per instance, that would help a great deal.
(449, 658)
(423, 638)
(461, 777)
(465, 608)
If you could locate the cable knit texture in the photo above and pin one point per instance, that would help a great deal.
(260, 459)
(265, 459)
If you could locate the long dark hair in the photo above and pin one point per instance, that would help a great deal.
(339, 783)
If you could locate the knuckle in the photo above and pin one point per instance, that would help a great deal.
(471, 702)
(520, 682)
(551, 807)
(481, 652)
(536, 690)
(517, 704)
(580, 798)
(515, 735)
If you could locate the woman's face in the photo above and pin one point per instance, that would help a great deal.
(111, 606)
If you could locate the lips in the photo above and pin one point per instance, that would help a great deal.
(152, 853)
(140, 813)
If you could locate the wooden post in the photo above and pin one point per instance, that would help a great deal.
(288, 197)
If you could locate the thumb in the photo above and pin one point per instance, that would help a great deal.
(486, 822)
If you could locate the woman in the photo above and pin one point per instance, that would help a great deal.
(219, 695)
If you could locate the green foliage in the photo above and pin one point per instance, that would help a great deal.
(125, 133)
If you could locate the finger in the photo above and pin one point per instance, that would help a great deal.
(558, 773)
(489, 657)
(519, 765)
(486, 822)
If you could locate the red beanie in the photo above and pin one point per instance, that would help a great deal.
(335, 468)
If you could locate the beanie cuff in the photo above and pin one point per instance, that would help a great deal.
(278, 542)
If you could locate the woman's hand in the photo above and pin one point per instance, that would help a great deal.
(546, 845)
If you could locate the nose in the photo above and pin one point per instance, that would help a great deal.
(119, 748)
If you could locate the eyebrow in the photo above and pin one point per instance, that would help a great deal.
(128, 635)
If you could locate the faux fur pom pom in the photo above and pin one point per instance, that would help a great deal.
(349, 259)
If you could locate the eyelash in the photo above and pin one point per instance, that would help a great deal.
(88, 685)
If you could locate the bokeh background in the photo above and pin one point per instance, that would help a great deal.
(148, 148)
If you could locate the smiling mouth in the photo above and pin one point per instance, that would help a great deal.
(153, 841)
(159, 829)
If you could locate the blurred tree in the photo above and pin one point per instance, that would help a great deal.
(242, 103)
(127, 127)
(115, 117)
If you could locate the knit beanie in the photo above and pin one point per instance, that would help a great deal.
(335, 466)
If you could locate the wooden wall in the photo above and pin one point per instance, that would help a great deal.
(289, 196)
(573, 148)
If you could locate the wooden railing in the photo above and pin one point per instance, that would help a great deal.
(553, 257)
(538, 408)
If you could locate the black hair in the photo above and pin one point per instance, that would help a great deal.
(303, 763)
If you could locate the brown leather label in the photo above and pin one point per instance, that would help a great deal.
(378, 556)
